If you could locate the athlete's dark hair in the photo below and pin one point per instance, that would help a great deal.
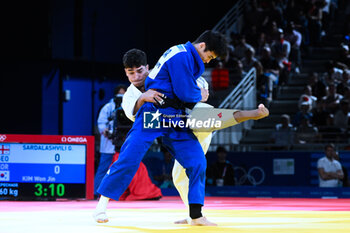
(134, 58)
(215, 42)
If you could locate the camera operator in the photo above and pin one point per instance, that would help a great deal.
(105, 126)
(121, 124)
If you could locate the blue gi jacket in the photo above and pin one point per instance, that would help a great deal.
(176, 72)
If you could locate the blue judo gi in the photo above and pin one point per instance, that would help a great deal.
(174, 75)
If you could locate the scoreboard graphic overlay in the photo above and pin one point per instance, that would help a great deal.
(40, 167)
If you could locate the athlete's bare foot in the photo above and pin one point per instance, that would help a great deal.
(261, 112)
(256, 114)
(202, 221)
(183, 221)
(100, 217)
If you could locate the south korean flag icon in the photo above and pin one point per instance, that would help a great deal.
(4, 175)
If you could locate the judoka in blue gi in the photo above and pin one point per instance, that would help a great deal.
(175, 76)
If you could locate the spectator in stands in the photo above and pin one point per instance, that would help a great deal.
(260, 44)
(295, 12)
(345, 55)
(295, 38)
(329, 170)
(308, 97)
(221, 173)
(345, 180)
(284, 134)
(334, 72)
(249, 61)
(271, 72)
(341, 117)
(271, 31)
(345, 82)
(306, 132)
(304, 112)
(280, 49)
(241, 47)
(319, 88)
(332, 99)
(236, 72)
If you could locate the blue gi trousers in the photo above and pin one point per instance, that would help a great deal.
(182, 144)
(105, 160)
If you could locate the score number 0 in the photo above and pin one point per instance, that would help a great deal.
(57, 168)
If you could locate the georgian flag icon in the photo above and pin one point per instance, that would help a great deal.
(4, 175)
(4, 149)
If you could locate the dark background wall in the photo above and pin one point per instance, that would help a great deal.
(85, 38)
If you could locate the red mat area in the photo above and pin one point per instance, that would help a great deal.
(175, 203)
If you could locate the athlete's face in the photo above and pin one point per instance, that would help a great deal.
(206, 56)
(137, 75)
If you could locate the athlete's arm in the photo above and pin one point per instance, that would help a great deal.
(151, 96)
(133, 99)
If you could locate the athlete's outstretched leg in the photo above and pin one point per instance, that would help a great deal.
(227, 117)
(122, 171)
